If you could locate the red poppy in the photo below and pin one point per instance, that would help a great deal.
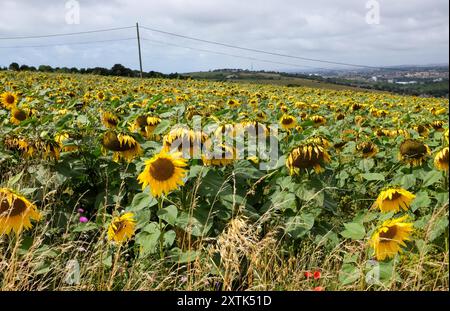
(317, 275)
(308, 274)
(318, 289)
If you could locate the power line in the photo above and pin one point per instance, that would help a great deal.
(228, 54)
(260, 51)
(66, 34)
(62, 44)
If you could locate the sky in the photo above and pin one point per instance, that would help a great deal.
(367, 32)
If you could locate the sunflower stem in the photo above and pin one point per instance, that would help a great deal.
(161, 234)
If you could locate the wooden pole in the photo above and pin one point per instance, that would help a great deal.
(139, 47)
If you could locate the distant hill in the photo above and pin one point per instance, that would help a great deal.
(263, 77)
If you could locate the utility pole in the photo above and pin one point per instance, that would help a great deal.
(139, 47)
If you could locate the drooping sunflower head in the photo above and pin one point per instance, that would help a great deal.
(390, 237)
(189, 142)
(164, 172)
(16, 212)
(441, 160)
(48, 148)
(62, 139)
(421, 130)
(222, 155)
(9, 100)
(122, 228)
(319, 140)
(255, 128)
(413, 152)
(438, 125)
(288, 122)
(318, 120)
(307, 156)
(124, 146)
(367, 149)
(146, 124)
(110, 120)
(394, 199)
(340, 116)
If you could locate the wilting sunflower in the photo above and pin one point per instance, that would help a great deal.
(9, 100)
(368, 149)
(422, 130)
(223, 156)
(110, 120)
(394, 199)
(164, 172)
(18, 115)
(318, 120)
(308, 156)
(189, 142)
(441, 160)
(387, 241)
(16, 212)
(437, 125)
(413, 152)
(340, 116)
(122, 228)
(288, 122)
(146, 124)
(124, 146)
(62, 139)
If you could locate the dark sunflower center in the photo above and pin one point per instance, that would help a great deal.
(141, 121)
(162, 169)
(10, 99)
(112, 121)
(17, 208)
(111, 142)
(395, 196)
(304, 161)
(367, 148)
(413, 149)
(287, 121)
(20, 115)
(389, 235)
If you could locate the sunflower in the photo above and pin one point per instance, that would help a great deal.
(441, 160)
(367, 149)
(184, 140)
(287, 122)
(233, 103)
(413, 152)
(255, 128)
(318, 120)
(16, 212)
(164, 172)
(49, 149)
(422, 130)
(437, 125)
(18, 115)
(307, 156)
(390, 237)
(222, 157)
(110, 120)
(124, 146)
(122, 228)
(100, 95)
(146, 124)
(394, 199)
(340, 116)
(9, 100)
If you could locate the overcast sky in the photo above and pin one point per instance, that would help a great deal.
(409, 32)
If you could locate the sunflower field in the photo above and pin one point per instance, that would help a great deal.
(112, 183)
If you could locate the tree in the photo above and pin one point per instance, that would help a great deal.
(14, 66)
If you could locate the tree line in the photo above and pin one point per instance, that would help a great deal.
(116, 70)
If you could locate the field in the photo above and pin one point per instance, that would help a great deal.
(112, 183)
